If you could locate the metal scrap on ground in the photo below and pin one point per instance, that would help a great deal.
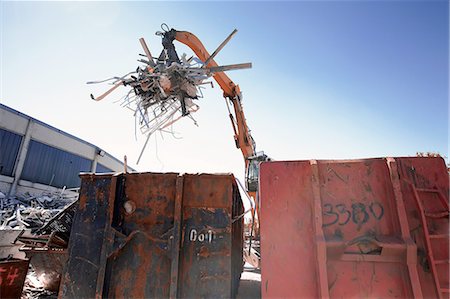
(30, 211)
(163, 89)
(44, 223)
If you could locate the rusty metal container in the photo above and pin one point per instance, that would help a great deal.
(48, 265)
(8, 247)
(374, 228)
(12, 277)
(151, 235)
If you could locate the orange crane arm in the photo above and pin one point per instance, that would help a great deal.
(231, 91)
(242, 136)
(196, 45)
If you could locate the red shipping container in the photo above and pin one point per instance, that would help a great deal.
(375, 228)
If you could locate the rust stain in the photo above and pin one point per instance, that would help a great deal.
(139, 261)
(357, 198)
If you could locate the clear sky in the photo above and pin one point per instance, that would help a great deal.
(330, 79)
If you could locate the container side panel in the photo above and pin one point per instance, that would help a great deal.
(141, 267)
(362, 229)
(206, 255)
(287, 231)
(425, 172)
(237, 242)
(367, 280)
(205, 259)
(366, 253)
(126, 248)
(357, 201)
(87, 238)
(152, 197)
(429, 174)
(206, 190)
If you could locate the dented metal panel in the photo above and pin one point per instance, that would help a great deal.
(153, 235)
(351, 229)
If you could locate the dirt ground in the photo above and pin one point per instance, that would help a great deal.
(250, 286)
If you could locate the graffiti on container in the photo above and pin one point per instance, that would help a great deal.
(8, 275)
(359, 213)
(194, 236)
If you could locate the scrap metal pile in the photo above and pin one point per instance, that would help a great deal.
(163, 89)
(34, 234)
(32, 212)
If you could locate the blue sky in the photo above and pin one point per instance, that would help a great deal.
(330, 79)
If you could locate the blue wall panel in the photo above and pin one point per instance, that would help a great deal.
(101, 168)
(51, 166)
(9, 149)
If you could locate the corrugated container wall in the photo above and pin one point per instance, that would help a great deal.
(374, 228)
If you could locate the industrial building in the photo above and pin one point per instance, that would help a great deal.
(36, 156)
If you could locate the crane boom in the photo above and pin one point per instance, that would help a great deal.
(244, 140)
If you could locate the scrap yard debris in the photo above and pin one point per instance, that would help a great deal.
(33, 288)
(30, 211)
(163, 89)
(41, 227)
